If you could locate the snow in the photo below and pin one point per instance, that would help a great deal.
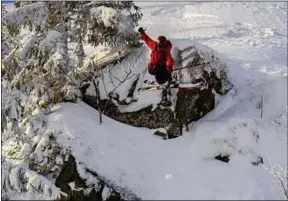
(253, 44)
(25, 182)
(105, 193)
(119, 78)
(107, 15)
(144, 161)
(251, 38)
(20, 13)
(50, 41)
(126, 72)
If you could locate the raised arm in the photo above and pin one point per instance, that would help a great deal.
(150, 43)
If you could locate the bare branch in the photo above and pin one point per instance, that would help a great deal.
(283, 187)
(109, 72)
(96, 86)
(102, 77)
(273, 171)
(261, 105)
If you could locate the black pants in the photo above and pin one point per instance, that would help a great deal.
(160, 72)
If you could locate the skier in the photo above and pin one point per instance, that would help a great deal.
(161, 62)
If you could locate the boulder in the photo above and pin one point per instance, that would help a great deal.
(191, 105)
(76, 188)
(194, 64)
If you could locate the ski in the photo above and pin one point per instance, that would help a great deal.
(151, 88)
(153, 82)
(182, 86)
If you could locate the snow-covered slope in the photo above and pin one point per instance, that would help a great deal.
(247, 123)
(183, 168)
(252, 37)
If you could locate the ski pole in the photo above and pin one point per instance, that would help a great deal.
(193, 66)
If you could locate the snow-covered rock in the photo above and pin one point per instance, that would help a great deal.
(76, 188)
(119, 84)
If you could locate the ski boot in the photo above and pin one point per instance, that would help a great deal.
(166, 102)
(173, 84)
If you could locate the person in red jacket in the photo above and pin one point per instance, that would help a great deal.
(161, 62)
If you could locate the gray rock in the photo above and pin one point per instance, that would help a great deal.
(191, 105)
(69, 174)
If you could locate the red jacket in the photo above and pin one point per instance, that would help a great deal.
(155, 56)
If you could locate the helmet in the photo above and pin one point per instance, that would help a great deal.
(162, 42)
(161, 39)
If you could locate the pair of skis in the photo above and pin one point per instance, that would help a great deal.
(155, 86)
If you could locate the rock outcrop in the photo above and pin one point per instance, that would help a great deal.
(191, 105)
(75, 188)
(193, 65)
(188, 105)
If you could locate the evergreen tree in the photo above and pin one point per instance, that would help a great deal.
(44, 58)
(35, 73)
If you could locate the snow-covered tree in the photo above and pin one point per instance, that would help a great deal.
(9, 39)
(35, 73)
(44, 58)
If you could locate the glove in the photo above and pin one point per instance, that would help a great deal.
(140, 30)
